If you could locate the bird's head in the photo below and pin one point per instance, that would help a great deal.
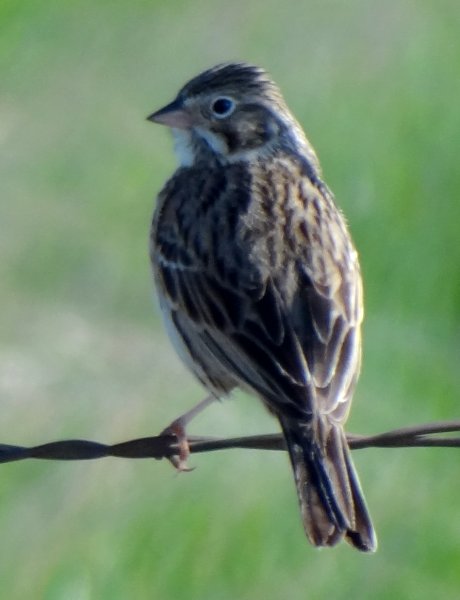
(229, 112)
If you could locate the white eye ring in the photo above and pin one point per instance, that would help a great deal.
(222, 107)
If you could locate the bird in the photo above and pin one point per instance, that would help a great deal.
(259, 282)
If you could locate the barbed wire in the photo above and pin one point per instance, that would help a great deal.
(165, 445)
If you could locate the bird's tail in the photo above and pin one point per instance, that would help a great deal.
(330, 497)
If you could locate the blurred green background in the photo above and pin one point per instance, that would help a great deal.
(82, 350)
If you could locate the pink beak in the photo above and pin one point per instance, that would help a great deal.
(172, 115)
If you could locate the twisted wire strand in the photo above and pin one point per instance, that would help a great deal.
(165, 445)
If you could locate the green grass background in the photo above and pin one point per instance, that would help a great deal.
(82, 350)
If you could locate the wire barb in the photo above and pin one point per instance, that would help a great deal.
(164, 446)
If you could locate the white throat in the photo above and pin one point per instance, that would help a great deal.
(183, 147)
(185, 144)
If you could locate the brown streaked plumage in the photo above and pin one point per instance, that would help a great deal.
(259, 282)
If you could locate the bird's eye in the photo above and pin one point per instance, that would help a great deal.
(222, 107)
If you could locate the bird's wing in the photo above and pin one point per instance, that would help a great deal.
(327, 307)
(280, 316)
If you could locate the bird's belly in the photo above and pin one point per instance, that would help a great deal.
(196, 356)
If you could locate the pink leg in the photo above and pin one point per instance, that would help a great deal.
(178, 428)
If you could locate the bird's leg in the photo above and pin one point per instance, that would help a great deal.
(178, 429)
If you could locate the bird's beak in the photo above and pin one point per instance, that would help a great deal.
(172, 115)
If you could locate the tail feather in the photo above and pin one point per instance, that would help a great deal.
(330, 497)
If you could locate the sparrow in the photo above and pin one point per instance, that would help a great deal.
(259, 282)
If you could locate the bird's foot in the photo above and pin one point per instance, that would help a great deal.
(179, 461)
(177, 428)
